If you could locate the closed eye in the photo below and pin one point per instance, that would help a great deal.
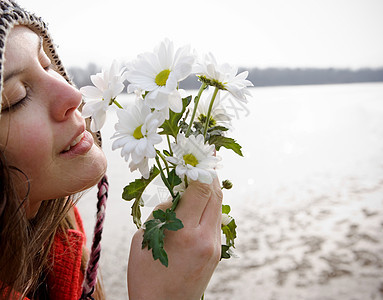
(17, 105)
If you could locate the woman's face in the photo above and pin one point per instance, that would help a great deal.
(41, 131)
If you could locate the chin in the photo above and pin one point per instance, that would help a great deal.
(70, 178)
(94, 171)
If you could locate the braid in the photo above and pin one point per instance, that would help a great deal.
(91, 272)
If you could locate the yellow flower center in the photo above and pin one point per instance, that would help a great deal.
(190, 159)
(162, 77)
(137, 134)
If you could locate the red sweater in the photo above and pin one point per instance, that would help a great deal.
(65, 279)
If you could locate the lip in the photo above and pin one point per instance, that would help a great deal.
(82, 147)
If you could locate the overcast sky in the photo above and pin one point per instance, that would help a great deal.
(250, 33)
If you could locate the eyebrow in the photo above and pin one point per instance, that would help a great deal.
(18, 71)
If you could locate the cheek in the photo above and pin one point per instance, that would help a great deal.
(29, 147)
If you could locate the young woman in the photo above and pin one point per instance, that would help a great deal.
(47, 156)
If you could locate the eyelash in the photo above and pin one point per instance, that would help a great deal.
(49, 67)
(21, 103)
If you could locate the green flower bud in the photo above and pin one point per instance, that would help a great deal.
(226, 184)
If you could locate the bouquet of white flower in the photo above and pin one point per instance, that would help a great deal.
(161, 109)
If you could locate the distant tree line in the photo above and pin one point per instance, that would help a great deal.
(279, 76)
(266, 77)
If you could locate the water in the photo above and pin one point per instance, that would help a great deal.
(300, 144)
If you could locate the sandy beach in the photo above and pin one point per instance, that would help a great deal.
(330, 248)
(307, 199)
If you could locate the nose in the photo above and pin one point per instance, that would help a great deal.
(64, 99)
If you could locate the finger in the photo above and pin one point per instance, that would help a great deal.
(193, 203)
(212, 215)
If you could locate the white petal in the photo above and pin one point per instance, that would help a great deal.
(171, 82)
(192, 174)
(157, 100)
(175, 102)
(121, 142)
(129, 147)
(91, 107)
(141, 147)
(172, 159)
(98, 120)
(204, 176)
(181, 170)
(183, 63)
(91, 92)
(150, 152)
(165, 54)
(144, 82)
(144, 169)
(116, 89)
(99, 82)
(155, 138)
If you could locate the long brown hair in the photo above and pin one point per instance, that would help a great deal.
(25, 243)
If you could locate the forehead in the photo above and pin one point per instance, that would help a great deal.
(20, 42)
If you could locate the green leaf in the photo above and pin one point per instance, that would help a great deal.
(135, 189)
(170, 127)
(226, 209)
(228, 143)
(217, 130)
(225, 252)
(154, 233)
(136, 212)
(230, 232)
(154, 239)
(218, 127)
(174, 179)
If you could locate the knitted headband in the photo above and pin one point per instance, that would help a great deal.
(11, 14)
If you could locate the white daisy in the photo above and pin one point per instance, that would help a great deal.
(107, 86)
(136, 133)
(194, 158)
(159, 72)
(224, 77)
(218, 115)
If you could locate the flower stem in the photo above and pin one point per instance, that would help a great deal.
(176, 198)
(170, 147)
(196, 100)
(175, 202)
(165, 161)
(164, 179)
(209, 111)
(113, 100)
(118, 104)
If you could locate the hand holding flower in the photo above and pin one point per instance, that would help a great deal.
(194, 251)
